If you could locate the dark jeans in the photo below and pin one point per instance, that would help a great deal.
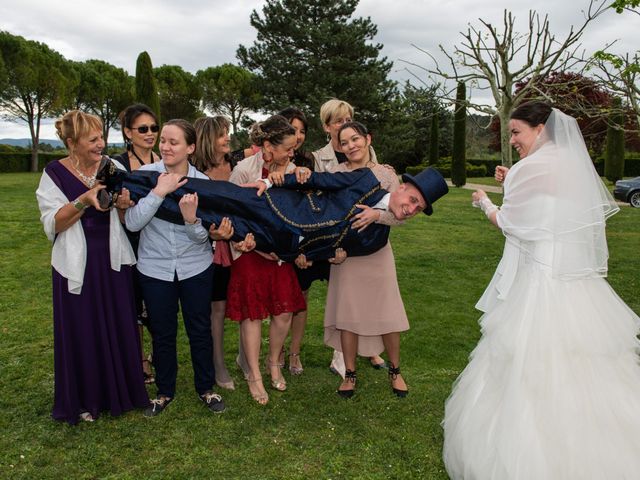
(161, 299)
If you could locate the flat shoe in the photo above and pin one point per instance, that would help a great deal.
(226, 385)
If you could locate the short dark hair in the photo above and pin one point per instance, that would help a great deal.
(357, 126)
(534, 113)
(129, 115)
(293, 113)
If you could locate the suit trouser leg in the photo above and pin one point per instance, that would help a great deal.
(195, 300)
(161, 300)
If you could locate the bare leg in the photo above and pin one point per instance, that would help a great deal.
(223, 379)
(278, 330)
(241, 359)
(392, 346)
(251, 335)
(349, 342)
(298, 323)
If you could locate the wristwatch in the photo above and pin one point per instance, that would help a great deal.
(78, 205)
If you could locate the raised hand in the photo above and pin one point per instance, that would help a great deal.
(188, 207)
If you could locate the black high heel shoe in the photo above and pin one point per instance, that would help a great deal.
(393, 374)
(349, 376)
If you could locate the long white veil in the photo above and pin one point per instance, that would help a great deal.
(556, 195)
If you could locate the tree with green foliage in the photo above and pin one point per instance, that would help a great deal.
(39, 83)
(146, 89)
(229, 90)
(179, 93)
(308, 51)
(614, 157)
(104, 90)
(458, 157)
(434, 139)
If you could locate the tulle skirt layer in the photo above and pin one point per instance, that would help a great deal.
(552, 390)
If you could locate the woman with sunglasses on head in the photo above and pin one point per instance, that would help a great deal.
(260, 285)
(333, 114)
(212, 157)
(140, 132)
(175, 267)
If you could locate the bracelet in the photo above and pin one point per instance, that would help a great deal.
(78, 205)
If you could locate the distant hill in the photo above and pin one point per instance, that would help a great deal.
(25, 142)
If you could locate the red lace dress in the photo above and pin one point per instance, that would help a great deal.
(259, 287)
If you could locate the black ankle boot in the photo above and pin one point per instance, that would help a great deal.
(350, 376)
(393, 374)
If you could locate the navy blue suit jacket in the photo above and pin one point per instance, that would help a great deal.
(311, 218)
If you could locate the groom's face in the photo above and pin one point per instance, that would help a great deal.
(406, 202)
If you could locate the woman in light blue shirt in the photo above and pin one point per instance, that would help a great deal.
(175, 265)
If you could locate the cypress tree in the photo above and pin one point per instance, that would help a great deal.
(146, 89)
(434, 139)
(458, 156)
(614, 158)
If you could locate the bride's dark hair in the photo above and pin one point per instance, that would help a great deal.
(534, 113)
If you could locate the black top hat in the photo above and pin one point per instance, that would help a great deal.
(431, 185)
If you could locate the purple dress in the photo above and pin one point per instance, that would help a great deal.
(96, 347)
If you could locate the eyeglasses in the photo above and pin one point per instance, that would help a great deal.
(145, 128)
(341, 121)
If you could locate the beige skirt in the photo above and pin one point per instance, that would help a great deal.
(363, 297)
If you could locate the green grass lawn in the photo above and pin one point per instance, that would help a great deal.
(444, 263)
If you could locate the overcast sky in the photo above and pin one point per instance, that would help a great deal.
(196, 34)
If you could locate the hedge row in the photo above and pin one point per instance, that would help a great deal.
(445, 169)
(631, 166)
(21, 161)
(486, 168)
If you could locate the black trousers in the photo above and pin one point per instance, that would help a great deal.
(162, 299)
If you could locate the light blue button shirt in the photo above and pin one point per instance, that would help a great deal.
(167, 249)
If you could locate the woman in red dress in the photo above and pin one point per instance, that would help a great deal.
(260, 285)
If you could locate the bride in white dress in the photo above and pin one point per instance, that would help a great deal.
(552, 390)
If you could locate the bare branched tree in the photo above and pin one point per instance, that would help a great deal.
(495, 58)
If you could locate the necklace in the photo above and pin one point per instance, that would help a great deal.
(133, 150)
(89, 180)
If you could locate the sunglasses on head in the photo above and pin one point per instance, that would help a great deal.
(146, 128)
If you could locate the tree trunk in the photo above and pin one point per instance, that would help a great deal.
(35, 139)
(505, 147)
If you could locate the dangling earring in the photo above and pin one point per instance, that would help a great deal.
(128, 144)
(328, 137)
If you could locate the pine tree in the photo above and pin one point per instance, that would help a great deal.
(308, 51)
(614, 158)
(458, 157)
(434, 139)
(146, 89)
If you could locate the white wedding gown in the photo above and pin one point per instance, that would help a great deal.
(552, 390)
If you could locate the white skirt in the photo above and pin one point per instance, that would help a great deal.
(552, 390)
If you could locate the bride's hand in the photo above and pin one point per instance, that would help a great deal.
(477, 196)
